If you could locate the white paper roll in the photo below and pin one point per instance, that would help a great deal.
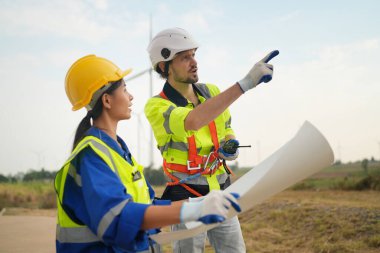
(305, 154)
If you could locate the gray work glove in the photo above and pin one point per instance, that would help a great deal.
(260, 72)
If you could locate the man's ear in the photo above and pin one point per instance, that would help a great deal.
(161, 65)
(106, 100)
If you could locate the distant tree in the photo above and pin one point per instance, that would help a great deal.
(365, 165)
(154, 176)
(373, 159)
(3, 179)
(18, 177)
(43, 174)
(12, 179)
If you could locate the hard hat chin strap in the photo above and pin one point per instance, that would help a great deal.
(166, 69)
(97, 95)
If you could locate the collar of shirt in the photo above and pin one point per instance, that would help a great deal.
(174, 96)
(123, 150)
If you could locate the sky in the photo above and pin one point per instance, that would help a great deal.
(328, 71)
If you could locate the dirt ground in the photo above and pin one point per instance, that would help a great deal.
(32, 232)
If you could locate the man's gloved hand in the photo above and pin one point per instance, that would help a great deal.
(260, 72)
(229, 151)
(212, 208)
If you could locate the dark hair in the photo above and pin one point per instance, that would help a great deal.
(85, 123)
(164, 74)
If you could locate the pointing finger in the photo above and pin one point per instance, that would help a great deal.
(271, 55)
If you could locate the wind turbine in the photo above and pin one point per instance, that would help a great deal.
(150, 71)
(139, 130)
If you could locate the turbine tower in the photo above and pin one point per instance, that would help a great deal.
(148, 70)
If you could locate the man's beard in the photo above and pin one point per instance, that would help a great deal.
(187, 79)
(193, 78)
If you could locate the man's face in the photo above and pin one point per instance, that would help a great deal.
(184, 67)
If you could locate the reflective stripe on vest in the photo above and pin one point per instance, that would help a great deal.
(220, 176)
(67, 229)
(194, 159)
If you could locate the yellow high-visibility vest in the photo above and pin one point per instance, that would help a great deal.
(70, 231)
(167, 121)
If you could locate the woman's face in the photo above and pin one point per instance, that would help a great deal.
(121, 102)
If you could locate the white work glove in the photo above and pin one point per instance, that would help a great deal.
(212, 208)
(260, 72)
(197, 199)
(229, 151)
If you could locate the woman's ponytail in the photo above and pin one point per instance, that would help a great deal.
(83, 126)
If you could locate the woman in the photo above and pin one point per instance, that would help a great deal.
(104, 202)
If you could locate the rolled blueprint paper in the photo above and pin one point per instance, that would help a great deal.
(305, 154)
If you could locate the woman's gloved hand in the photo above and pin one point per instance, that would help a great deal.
(212, 208)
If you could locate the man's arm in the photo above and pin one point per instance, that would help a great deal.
(212, 108)
(209, 110)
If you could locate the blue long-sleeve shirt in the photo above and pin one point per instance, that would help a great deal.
(100, 191)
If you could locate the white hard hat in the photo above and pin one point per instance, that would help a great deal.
(167, 43)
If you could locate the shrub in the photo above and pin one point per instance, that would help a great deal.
(48, 201)
(154, 176)
(374, 241)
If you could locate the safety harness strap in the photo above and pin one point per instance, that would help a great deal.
(176, 181)
(195, 161)
(196, 165)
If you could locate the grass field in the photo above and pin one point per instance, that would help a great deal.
(301, 221)
(311, 221)
(318, 215)
(35, 195)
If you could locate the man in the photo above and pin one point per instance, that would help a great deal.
(192, 126)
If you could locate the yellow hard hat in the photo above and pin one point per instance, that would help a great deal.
(87, 75)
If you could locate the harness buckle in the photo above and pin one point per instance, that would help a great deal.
(192, 168)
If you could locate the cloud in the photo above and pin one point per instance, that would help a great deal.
(339, 90)
(54, 18)
(345, 65)
(352, 55)
(195, 19)
(289, 16)
(91, 22)
(163, 9)
(101, 4)
(201, 17)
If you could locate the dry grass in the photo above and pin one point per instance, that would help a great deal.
(313, 222)
(35, 195)
(331, 221)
